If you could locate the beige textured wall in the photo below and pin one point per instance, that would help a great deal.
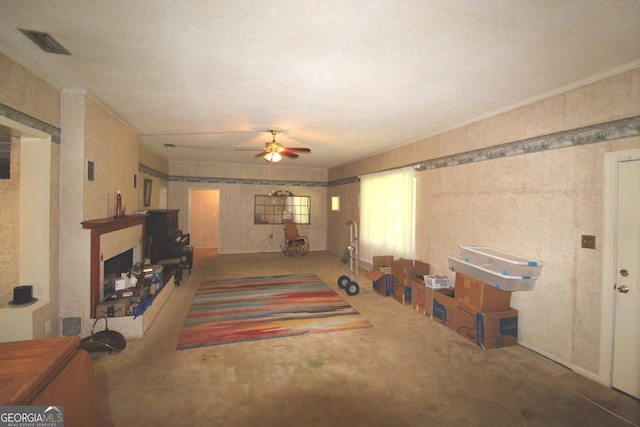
(159, 164)
(536, 205)
(26, 92)
(113, 147)
(338, 232)
(91, 132)
(237, 231)
(609, 99)
(75, 242)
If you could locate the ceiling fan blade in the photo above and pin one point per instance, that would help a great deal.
(247, 149)
(288, 154)
(264, 153)
(298, 149)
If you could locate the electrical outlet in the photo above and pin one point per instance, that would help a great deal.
(47, 327)
(589, 242)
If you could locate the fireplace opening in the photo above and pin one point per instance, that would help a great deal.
(113, 268)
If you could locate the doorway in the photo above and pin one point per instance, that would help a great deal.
(162, 198)
(620, 344)
(29, 187)
(204, 214)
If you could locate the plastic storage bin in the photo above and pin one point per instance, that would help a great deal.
(499, 280)
(505, 263)
(436, 281)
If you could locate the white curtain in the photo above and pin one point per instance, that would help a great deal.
(387, 214)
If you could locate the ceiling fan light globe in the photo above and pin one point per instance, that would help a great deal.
(274, 157)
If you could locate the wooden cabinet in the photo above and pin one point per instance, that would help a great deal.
(50, 372)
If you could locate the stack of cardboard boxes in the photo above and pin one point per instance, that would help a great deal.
(477, 311)
(484, 315)
(404, 271)
(424, 289)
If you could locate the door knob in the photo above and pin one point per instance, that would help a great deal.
(623, 289)
(624, 273)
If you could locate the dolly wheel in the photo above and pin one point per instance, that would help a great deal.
(352, 288)
(343, 281)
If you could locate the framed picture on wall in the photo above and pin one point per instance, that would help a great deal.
(147, 192)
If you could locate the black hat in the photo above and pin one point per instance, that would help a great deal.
(23, 295)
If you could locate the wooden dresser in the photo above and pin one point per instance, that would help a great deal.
(50, 372)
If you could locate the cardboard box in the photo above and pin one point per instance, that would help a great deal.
(421, 297)
(488, 330)
(115, 308)
(380, 274)
(404, 270)
(480, 296)
(381, 261)
(497, 329)
(467, 323)
(383, 285)
(418, 302)
(445, 308)
(402, 293)
(380, 266)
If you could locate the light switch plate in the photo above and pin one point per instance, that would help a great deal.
(589, 242)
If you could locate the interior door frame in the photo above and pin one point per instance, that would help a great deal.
(190, 201)
(607, 313)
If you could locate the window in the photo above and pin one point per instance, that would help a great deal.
(387, 214)
(279, 209)
(335, 203)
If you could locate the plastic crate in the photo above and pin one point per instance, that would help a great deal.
(436, 281)
(499, 280)
(501, 262)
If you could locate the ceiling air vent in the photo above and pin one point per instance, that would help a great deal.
(45, 42)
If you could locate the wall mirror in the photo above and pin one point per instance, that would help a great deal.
(147, 192)
(279, 209)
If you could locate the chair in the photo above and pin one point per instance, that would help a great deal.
(169, 265)
(293, 242)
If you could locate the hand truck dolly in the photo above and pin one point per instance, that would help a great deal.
(350, 283)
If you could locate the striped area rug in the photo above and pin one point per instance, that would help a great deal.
(256, 308)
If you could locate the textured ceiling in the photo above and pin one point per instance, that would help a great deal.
(343, 78)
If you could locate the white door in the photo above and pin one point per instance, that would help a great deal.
(162, 198)
(626, 349)
(203, 218)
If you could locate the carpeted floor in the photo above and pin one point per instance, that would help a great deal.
(255, 308)
(407, 370)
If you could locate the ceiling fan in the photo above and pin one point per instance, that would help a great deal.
(273, 151)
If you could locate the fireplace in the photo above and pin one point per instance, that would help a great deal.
(113, 268)
(111, 237)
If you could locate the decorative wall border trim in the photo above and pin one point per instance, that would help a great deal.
(217, 180)
(609, 131)
(344, 181)
(32, 122)
(603, 132)
(150, 171)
